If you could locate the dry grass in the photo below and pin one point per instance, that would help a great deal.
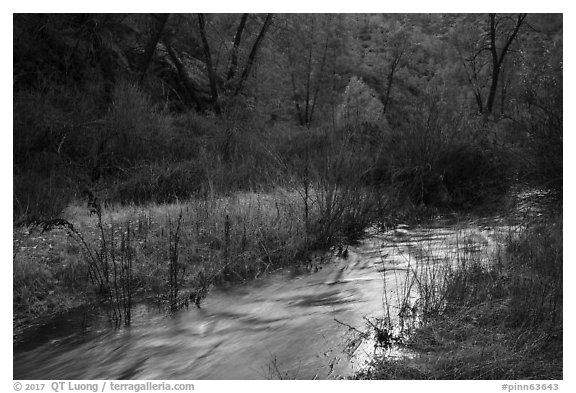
(235, 238)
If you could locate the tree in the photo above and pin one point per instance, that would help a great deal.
(311, 44)
(499, 56)
(496, 40)
(156, 33)
(398, 47)
(72, 50)
(209, 66)
(236, 47)
(384, 43)
(253, 53)
(232, 87)
(360, 105)
(468, 40)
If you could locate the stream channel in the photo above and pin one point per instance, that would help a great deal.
(285, 325)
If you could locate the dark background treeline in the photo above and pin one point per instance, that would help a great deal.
(439, 109)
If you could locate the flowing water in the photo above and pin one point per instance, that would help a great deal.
(283, 326)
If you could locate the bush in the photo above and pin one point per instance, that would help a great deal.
(546, 148)
(49, 121)
(161, 183)
(37, 196)
(472, 175)
(437, 160)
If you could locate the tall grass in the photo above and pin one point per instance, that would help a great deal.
(173, 253)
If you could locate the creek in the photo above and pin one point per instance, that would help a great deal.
(285, 325)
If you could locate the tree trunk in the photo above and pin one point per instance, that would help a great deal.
(495, 64)
(389, 88)
(151, 45)
(479, 102)
(472, 79)
(234, 55)
(317, 91)
(308, 77)
(504, 89)
(183, 77)
(208, 58)
(393, 67)
(253, 53)
(106, 67)
(295, 93)
(498, 59)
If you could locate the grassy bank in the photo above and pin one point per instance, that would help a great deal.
(497, 319)
(174, 252)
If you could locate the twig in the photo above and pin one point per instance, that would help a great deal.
(349, 327)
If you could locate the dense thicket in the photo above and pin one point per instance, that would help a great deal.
(444, 110)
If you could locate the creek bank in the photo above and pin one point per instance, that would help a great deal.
(498, 320)
(283, 325)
